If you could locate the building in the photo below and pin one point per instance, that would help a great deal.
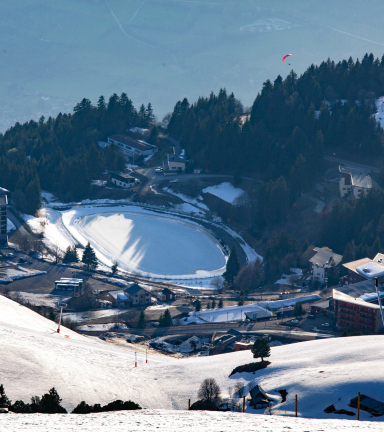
(259, 314)
(356, 314)
(259, 398)
(321, 262)
(175, 164)
(353, 182)
(167, 295)
(67, 284)
(365, 269)
(119, 299)
(243, 346)
(193, 292)
(3, 217)
(132, 147)
(123, 180)
(320, 307)
(138, 295)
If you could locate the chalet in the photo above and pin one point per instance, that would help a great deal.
(175, 164)
(132, 147)
(243, 346)
(321, 262)
(123, 180)
(354, 182)
(3, 218)
(365, 269)
(167, 295)
(138, 295)
(259, 398)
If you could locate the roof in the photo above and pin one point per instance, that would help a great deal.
(134, 289)
(4, 191)
(338, 295)
(119, 296)
(258, 390)
(353, 264)
(174, 158)
(258, 313)
(379, 258)
(235, 332)
(364, 290)
(321, 304)
(359, 178)
(370, 270)
(123, 175)
(139, 145)
(325, 258)
(194, 292)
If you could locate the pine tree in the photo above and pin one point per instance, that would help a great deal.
(114, 268)
(261, 349)
(142, 321)
(165, 319)
(233, 266)
(89, 257)
(220, 303)
(198, 306)
(208, 305)
(298, 310)
(51, 403)
(68, 255)
(213, 304)
(4, 401)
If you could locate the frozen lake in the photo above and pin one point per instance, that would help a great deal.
(153, 245)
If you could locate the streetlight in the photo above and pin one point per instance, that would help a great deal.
(62, 305)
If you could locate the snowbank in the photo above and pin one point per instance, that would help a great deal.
(230, 313)
(10, 226)
(225, 191)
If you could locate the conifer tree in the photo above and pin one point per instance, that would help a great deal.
(213, 304)
(142, 321)
(220, 303)
(233, 267)
(261, 349)
(198, 306)
(89, 257)
(165, 319)
(4, 401)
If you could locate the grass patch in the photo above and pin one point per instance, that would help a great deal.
(250, 367)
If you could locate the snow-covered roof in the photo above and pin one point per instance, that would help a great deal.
(337, 295)
(370, 270)
(136, 144)
(325, 258)
(352, 265)
(358, 177)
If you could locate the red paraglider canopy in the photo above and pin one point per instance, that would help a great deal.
(288, 55)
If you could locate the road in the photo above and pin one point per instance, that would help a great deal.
(267, 327)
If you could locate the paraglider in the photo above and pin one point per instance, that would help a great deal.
(288, 55)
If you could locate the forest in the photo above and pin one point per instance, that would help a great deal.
(292, 123)
(61, 154)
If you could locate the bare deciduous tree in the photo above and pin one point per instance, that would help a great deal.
(56, 252)
(217, 282)
(209, 390)
(240, 389)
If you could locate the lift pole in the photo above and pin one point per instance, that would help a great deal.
(379, 299)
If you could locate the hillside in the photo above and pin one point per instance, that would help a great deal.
(160, 51)
(34, 358)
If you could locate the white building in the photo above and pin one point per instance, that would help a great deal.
(132, 147)
(354, 182)
(123, 180)
(322, 261)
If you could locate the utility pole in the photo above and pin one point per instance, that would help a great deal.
(296, 405)
(146, 356)
(135, 359)
(358, 406)
(61, 313)
(243, 404)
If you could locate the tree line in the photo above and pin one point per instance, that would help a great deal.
(61, 154)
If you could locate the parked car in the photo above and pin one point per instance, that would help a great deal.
(294, 321)
(22, 260)
(311, 316)
(11, 255)
(325, 324)
(159, 170)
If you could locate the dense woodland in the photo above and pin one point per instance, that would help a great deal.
(61, 154)
(293, 122)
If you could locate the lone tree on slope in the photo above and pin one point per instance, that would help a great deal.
(261, 349)
(166, 319)
(233, 266)
(89, 257)
(209, 390)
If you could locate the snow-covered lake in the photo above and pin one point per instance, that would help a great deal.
(151, 244)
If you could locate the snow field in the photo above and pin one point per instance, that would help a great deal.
(180, 421)
(34, 358)
(225, 191)
(10, 226)
(148, 243)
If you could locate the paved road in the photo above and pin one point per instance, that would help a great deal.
(365, 168)
(268, 327)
